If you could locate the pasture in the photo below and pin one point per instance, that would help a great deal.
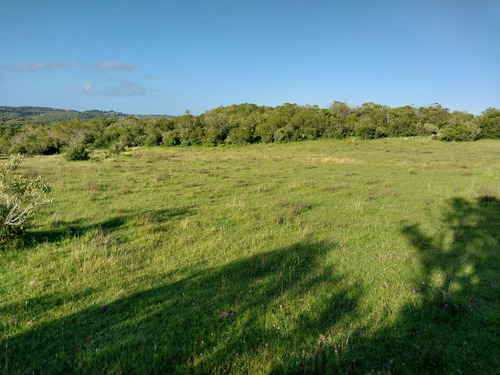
(342, 257)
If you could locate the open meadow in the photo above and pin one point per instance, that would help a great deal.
(342, 257)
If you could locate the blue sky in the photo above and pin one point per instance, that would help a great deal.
(166, 57)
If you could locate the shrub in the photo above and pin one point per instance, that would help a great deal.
(19, 199)
(77, 153)
(489, 123)
(369, 132)
(117, 148)
(458, 133)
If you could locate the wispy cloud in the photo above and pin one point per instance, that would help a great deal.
(149, 77)
(36, 66)
(113, 65)
(121, 88)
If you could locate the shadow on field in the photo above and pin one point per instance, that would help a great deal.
(220, 319)
(452, 324)
(77, 228)
(222, 315)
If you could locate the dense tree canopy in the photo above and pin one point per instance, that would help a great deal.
(248, 123)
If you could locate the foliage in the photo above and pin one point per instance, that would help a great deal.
(489, 122)
(79, 152)
(248, 123)
(459, 133)
(20, 197)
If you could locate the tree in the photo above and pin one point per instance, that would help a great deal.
(489, 123)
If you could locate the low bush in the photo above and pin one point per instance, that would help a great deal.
(77, 153)
(19, 198)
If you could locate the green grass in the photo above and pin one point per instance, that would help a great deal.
(314, 257)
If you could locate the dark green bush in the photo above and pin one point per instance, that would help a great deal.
(77, 153)
(9, 232)
(459, 133)
(370, 132)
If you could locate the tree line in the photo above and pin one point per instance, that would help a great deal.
(241, 124)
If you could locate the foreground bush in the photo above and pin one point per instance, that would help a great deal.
(19, 198)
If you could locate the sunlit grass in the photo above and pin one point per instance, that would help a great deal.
(321, 256)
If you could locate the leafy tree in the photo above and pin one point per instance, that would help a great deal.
(459, 132)
(402, 122)
(34, 140)
(216, 126)
(489, 122)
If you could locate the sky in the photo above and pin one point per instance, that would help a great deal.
(166, 57)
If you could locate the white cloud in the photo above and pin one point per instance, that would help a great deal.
(26, 68)
(121, 88)
(150, 77)
(113, 65)
(35, 66)
(88, 87)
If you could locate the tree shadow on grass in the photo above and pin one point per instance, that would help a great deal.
(77, 228)
(215, 320)
(451, 324)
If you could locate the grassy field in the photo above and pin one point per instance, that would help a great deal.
(342, 257)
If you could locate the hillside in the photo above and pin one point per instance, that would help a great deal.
(17, 116)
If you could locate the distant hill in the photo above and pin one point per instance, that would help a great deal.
(17, 116)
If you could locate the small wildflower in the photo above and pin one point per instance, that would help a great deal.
(80, 365)
(237, 354)
(211, 334)
(391, 362)
(196, 342)
(202, 342)
(266, 345)
(67, 361)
